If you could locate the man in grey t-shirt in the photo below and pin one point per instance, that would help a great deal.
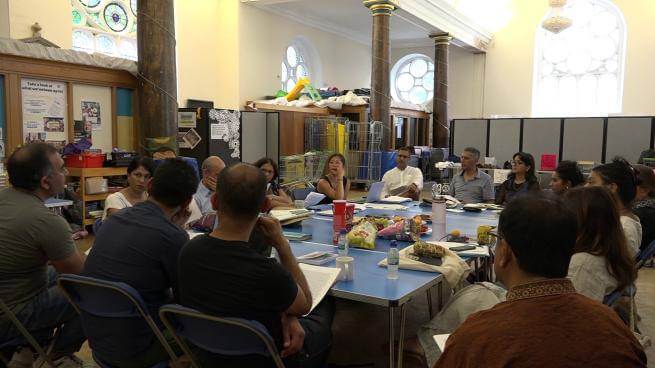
(472, 185)
(30, 237)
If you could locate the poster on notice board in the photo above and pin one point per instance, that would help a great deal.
(44, 111)
(91, 114)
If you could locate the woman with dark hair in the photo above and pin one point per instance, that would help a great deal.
(334, 183)
(601, 262)
(139, 172)
(567, 175)
(269, 168)
(644, 206)
(522, 179)
(621, 179)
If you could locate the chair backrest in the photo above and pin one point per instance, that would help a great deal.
(646, 254)
(220, 335)
(299, 194)
(108, 299)
(6, 313)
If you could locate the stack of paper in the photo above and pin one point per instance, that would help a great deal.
(287, 217)
(313, 199)
(320, 280)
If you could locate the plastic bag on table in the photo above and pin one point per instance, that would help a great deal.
(363, 235)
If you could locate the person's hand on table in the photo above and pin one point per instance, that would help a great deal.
(413, 188)
(293, 335)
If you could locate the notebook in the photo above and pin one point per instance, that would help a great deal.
(320, 280)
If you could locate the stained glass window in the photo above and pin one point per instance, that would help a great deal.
(105, 26)
(412, 79)
(579, 72)
(294, 67)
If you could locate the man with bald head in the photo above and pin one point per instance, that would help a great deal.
(211, 167)
(221, 274)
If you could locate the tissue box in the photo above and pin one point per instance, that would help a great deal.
(96, 185)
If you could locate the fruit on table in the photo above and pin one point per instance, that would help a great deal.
(456, 233)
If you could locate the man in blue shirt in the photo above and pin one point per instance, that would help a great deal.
(140, 246)
(211, 167)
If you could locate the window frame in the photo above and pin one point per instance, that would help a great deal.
(399, 65)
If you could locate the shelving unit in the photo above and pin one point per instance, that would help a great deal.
(82, 174)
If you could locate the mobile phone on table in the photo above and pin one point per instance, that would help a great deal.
(462, 248)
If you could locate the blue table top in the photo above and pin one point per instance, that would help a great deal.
(370, 283)
(320, 227)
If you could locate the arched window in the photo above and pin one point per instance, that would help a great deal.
(579, 72)
(105, 26)
(412, 79)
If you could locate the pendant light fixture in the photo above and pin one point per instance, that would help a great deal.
(557, 22)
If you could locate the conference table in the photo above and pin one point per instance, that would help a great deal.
(370, 284)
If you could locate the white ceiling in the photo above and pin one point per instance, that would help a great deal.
(350, 19)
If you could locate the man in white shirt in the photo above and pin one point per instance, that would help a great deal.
(211, 167)
(403, 180)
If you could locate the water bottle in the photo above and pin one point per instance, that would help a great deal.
(393, 258)
(343, 243)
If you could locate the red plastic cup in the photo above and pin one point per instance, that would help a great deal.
(339, 214)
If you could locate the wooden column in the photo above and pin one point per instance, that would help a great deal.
(157, 110)
(440, 123)
(381, 10)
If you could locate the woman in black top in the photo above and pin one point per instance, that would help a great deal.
(520, 181)
(334, 183)
(566, 176)
(644, 206)
(277, 196)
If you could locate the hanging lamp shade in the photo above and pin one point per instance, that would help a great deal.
(557, 21)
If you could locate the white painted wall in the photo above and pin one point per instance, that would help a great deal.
(263, 38)
(54, 16)
(4, 18)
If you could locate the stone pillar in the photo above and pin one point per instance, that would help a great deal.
(440, 122)
(381, 10)
(157, 111)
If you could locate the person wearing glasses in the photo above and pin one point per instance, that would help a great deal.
(521, 181)
(544, 322)
(472, 185)
(403, 180)
(35, 245)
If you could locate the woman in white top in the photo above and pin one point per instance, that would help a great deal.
(138, 175)
(622, 180)
(601, 262)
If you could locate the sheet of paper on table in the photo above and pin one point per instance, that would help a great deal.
(395, 199)
(386, 207)
(320, 280)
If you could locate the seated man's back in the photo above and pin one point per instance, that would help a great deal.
(545, 324)
(140, 246)
(229, 278)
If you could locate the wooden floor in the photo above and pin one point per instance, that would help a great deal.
(360, 330)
